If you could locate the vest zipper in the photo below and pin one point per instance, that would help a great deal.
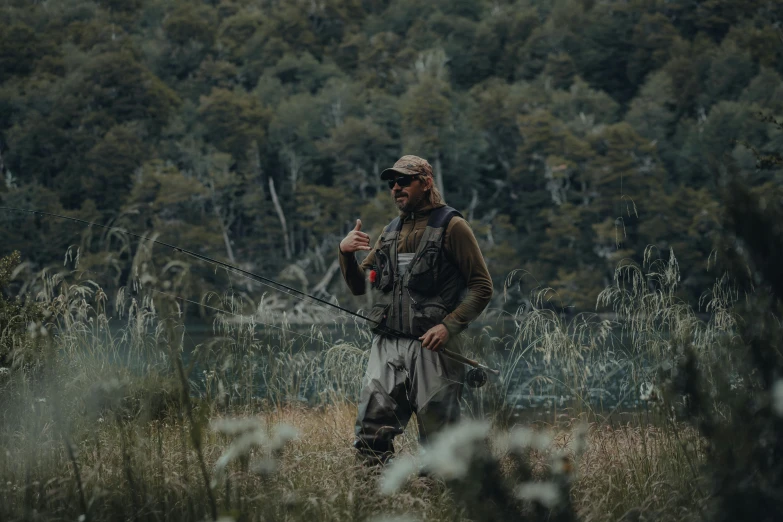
(399, 302)
(410, 310)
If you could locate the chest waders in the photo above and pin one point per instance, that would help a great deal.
(403, 377)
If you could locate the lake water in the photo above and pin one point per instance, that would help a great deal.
(604, 380)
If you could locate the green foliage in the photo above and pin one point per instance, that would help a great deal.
(233, 121)
(23, 327)
(112, 162)
(585, 127)
(190, 23)
(735, 396)
(425, 111)
(20, 47)
(126, 89)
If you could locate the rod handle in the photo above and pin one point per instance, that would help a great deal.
(470, 362)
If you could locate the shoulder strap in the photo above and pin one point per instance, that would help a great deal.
(440, 217)
(396, 224)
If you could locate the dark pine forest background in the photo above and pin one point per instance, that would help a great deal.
(572, 134)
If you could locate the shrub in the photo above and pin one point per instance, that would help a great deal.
(23, 325)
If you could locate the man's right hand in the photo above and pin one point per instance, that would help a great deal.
(355, 240)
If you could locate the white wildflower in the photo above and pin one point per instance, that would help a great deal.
(250, 434)
(265, 467)
(777, 397)
(519, 439)
(579, 442)
(545, 493)
(649, 392)
(388, 518)
(395, 475)
(452, 452)
(289, 499)
(235, 426)
(560, 463)
(281, 435)
(239, 448)
(736, 382)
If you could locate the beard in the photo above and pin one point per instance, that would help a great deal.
(409, 203)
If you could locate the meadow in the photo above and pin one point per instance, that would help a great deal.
(571, 134)
(108, 423)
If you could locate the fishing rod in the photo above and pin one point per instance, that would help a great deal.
(476, 378)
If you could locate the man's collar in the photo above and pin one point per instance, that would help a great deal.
(423, 211)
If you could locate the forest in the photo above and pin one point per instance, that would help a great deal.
(573, 135)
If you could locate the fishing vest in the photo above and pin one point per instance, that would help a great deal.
(414, 298)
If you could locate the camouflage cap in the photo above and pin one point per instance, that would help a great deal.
(408, 166)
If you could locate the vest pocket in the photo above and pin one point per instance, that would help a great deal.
(423, 276)
(385, 280)
(425, 315)
(378, 314)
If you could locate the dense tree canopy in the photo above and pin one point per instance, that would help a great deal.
(572, 134)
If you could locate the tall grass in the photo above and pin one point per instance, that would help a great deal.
(126, 421)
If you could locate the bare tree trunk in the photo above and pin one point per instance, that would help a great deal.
(279, 209)
(256, 158)
(225, 221)
(224, 228)
(337, 113)
(439, 176)
(320, 288)
(294, 165)
(473, 204)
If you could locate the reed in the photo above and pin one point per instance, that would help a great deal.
(133, 405)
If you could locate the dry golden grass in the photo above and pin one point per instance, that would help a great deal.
(646, 468)
(116, 435)
(317, 476)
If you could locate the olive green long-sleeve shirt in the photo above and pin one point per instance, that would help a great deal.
(461, 247)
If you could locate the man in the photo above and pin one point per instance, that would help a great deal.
(430, 281)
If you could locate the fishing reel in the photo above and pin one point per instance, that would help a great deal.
(476, 378)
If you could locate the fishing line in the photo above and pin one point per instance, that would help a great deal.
(281, 287)
(304, 336)
(220, 310)
(275, 285)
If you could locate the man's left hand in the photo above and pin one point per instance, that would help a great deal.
(435, 338)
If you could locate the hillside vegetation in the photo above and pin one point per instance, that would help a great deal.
(572, 134)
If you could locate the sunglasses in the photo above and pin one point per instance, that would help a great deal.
(402, 181)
